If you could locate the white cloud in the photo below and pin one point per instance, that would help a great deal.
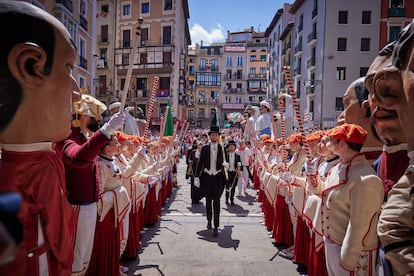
(198, 33)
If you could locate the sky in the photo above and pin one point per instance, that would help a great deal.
(210, 20)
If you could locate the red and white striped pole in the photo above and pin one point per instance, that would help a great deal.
(283, 132)
(286, 69)
(151, 105)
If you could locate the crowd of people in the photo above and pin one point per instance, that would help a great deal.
(336, 201)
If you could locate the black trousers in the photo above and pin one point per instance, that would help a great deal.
(231, 186)
(214, 186)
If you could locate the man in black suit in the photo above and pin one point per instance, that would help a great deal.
(210, 171)
(234, 171)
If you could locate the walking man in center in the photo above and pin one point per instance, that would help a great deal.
(210, 169)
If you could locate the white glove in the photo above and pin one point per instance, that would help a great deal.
(151, 180)
(310, 167)
(115, 122)
(288, 177)
(226, 164)
(197, 182)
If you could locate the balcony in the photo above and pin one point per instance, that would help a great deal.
(83, 22)
(101, 63)
(396, 12)
(310, 62)
(66, 3)
(310, 90)
(232, 90)
(213, 101)
(142, 93)
(312, 36)
(256, 90)
(257, 76)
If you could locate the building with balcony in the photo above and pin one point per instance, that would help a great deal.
(257, 68)
(158, 48)
(327, 46)
(208, 82)
(275, 46)
(79, 19)
(395, 14)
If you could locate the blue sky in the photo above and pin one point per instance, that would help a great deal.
(210, 20)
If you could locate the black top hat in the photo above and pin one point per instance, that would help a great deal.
(214, 129)
(230, 143)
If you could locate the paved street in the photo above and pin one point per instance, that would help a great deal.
(180, 244)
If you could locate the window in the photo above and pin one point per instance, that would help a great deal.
(104, 9)
(238, 100)
(397, 3)
(263, 57)
(164, 82)
(125, 59)
(126, 10)
(363, 71)
(144, 37)
(340, 73)
(229, 61)
(167, 5)
(339, 104)
(366, 17)
(239, 61)
(166, 57)
(365, 44)
(253, 71)
(143, 58)
(311, 105)
(214, 65)
(82, 82)
(126, 38)
(343, 17)
(202, 64)
(252, 57)
(393, 33)
(145, 7)
(262, 70)
(342, 44)
(166, 35)
(104, 33)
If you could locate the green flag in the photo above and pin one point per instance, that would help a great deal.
(169, 125)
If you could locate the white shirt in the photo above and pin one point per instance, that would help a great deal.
(244, 155)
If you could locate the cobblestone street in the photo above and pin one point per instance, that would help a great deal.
(180, 244)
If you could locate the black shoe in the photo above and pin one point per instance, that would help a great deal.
(227, 202)
(215, 232)
(209, 225)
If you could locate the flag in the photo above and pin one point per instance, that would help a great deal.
(169, 125)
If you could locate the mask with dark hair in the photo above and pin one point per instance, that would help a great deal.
(360, 91)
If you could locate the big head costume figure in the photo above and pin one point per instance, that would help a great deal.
(36, 79)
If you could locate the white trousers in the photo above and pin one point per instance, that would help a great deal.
(243, 180)
(85, 234)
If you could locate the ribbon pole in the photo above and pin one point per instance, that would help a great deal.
(286, 69)
(151, 105)
(131, 63)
